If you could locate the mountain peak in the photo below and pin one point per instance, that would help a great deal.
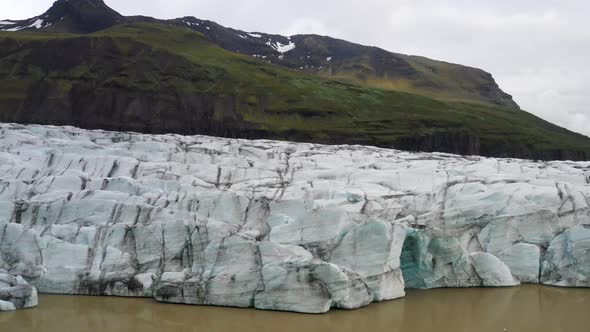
(77, 2)
(83, 15)
(74, 16)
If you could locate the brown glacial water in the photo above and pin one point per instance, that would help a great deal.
(522, 309)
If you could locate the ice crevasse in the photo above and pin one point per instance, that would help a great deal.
(276, 225)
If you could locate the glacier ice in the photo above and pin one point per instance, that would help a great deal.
(16, 293)
(276, 225)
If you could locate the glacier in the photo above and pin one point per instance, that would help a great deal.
(276, 225)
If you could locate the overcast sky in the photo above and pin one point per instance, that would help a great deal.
(537, 50)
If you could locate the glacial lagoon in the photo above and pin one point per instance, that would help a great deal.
(527, 308)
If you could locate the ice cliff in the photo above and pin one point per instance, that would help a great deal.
(276, 225)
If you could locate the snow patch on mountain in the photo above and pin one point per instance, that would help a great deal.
(36, 23)
(280, 47)
(285, 48)
(14, 29)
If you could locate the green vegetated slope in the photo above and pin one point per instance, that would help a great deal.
(324, 56)
(162, 79)
(375, 67)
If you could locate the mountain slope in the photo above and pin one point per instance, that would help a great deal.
(156, 79)
(319, 55)
(354, 63)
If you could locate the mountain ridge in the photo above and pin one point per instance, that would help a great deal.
(169, 78)
(324, 56)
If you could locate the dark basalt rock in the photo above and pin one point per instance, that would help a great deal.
(471, 144)
(82, 16)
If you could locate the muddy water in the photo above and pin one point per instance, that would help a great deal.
(524, 309)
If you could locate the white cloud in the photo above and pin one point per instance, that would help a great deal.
(536, 49)
(307, 26)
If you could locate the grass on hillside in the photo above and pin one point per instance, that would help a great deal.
(282, 102)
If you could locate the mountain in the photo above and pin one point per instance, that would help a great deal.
(169, 78)
(319, 55)
(73, 16)
(349, 62)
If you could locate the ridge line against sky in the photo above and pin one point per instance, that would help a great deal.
(536, 50)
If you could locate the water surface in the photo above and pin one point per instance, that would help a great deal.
(523, 309)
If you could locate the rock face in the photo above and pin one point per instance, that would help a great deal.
(277, 225)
